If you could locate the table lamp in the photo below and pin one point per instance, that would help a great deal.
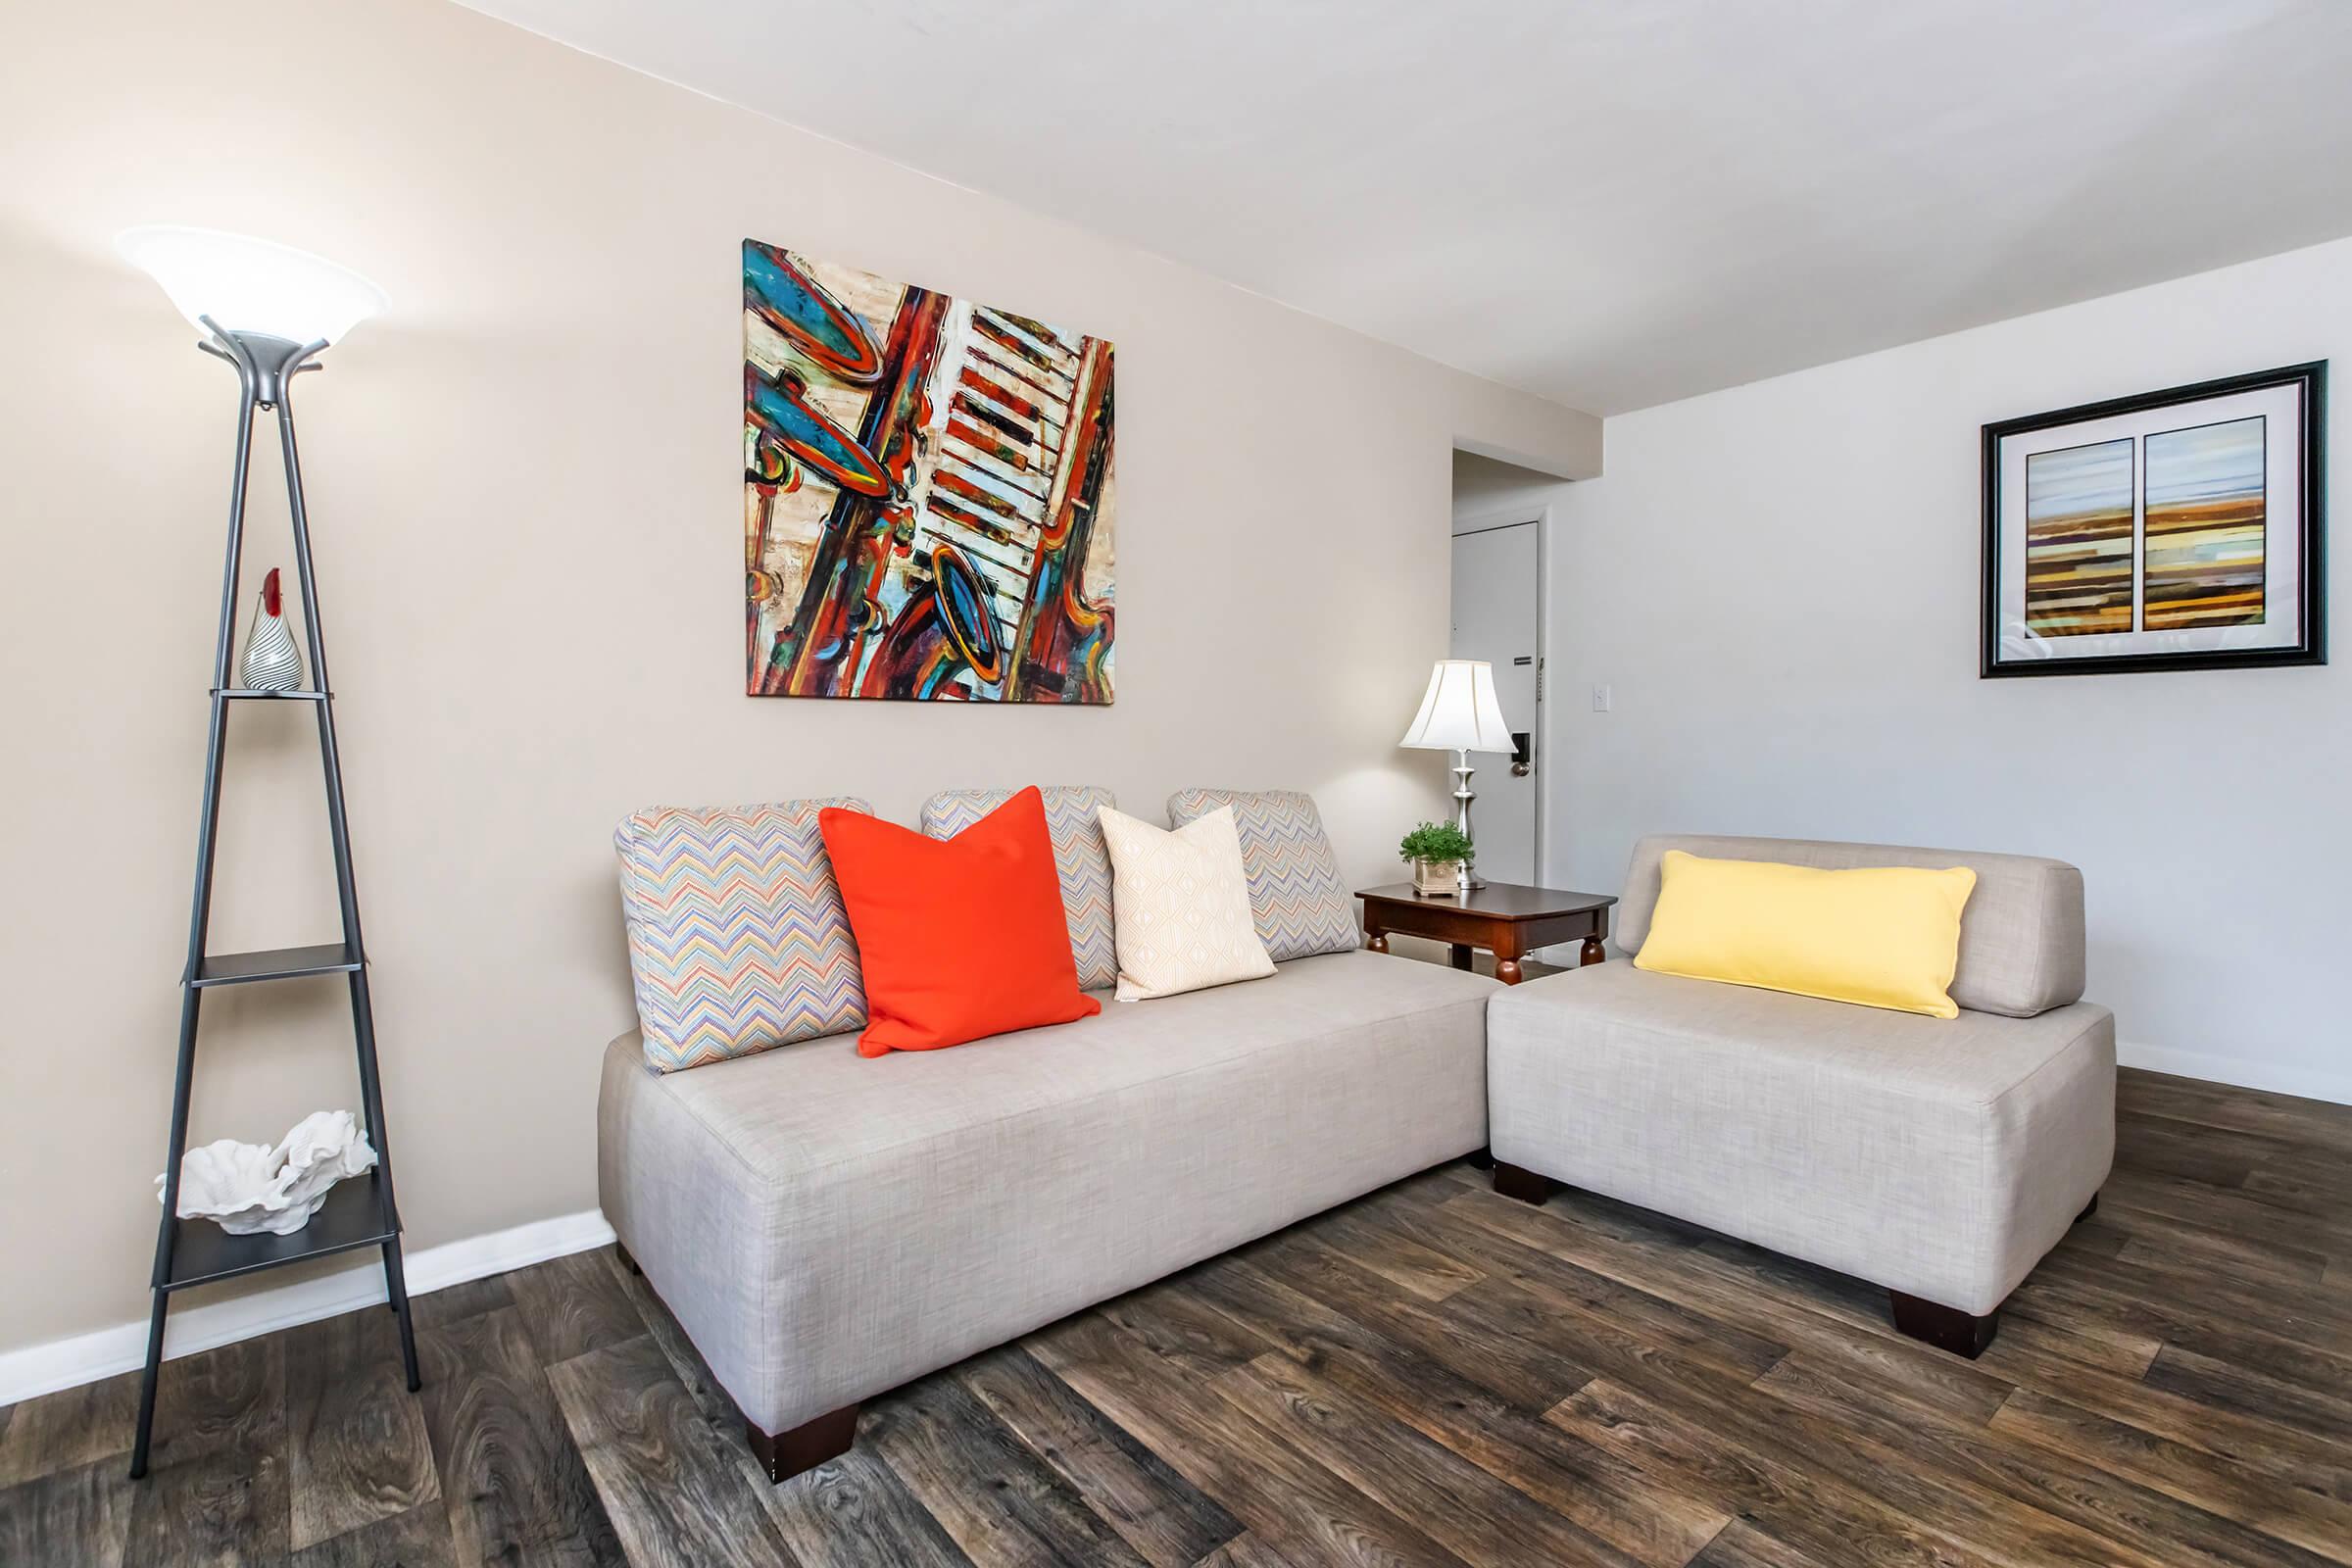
(1459, 713)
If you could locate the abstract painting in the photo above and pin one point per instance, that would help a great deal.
(2203, 564)
(928, 493)
(2078, 540)
(2175, 530)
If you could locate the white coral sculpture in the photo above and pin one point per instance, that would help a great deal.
(248, 1188)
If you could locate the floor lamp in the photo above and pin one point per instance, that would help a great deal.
(284, 306)
(1459, 713)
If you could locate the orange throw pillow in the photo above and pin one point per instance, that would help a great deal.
(958, 938)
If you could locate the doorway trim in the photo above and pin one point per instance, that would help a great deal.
(1490, 522)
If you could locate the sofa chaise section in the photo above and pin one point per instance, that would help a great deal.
(827, 1226)
(1938, 1159)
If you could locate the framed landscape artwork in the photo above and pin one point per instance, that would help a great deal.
(2176, 530)
(927, 494)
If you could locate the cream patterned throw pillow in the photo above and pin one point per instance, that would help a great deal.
(1182, 904)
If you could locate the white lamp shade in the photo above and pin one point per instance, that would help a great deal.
(1459, 711)
(252, 285)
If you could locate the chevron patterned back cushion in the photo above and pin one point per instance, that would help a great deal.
(1080, 856)
(1301, 905)
(738, 941)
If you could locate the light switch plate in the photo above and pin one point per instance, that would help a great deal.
(1601, 699)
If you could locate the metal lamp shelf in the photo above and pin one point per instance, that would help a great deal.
(351, 1218)
(275, 964)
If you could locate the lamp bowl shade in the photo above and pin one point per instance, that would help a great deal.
(1459, 713)
(252, 285)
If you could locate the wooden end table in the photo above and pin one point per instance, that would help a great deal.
(1506, 920)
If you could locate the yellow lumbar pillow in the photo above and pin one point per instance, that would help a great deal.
(1884, 936)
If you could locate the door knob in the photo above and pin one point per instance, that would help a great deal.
(1522, 758)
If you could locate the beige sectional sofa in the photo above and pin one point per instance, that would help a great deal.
(1939, 1158)
(827, 1226)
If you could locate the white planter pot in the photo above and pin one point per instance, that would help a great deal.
(1437, 878)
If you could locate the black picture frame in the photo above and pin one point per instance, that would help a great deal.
(2310, 381)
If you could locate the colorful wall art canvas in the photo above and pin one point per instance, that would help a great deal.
(928, 493)
(2178, 529)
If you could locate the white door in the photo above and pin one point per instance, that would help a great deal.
(1496, 595)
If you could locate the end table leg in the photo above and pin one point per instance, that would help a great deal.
(1506, 970)
(1377, 941)
(1591, 952)
(1461, 955)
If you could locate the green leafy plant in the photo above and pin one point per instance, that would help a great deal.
(1436, 844)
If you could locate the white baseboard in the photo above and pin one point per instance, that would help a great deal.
(2279, 1079)
(64, 1363)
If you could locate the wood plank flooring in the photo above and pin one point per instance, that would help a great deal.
(1429, 1374)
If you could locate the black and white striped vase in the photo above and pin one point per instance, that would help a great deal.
(271, 664)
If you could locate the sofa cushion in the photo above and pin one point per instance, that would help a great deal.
(960, 939)
(1185, 922)
(1938, 1159)
(738, 941)
(827, 1227)
(2021, 936)
(1878, 936)
(1081, 860)
(1297, 896)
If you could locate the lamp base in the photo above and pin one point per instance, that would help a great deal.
(1466, 881)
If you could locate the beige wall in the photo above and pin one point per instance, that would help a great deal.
(1483, 487)
(525, 489)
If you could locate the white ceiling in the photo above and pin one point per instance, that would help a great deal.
(1612, 202)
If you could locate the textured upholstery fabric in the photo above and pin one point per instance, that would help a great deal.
(827, 1226)
(1301, 905)
(1183, 907)
(2021, 936)
(1080, 859)
(738, 940)
(1938, 1159)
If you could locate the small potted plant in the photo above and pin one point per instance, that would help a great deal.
(1438, 852)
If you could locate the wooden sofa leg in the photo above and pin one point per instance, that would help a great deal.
(626, 1261)
(2088, 1209)
(785, 1454)
(1947, 1328)
(1514, 1181)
